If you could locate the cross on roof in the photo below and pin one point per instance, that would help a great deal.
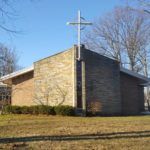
(79, 28)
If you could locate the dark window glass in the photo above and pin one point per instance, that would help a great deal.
(79, 85)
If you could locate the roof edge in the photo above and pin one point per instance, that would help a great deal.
(2, 84)
(56, 53)
(134, 74)
(17, 73)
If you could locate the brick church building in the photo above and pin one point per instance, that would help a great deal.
(96, 83)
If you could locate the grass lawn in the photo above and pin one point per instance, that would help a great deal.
(74, 133)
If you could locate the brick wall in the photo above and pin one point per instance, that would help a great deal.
(22, 90)
(132, 95)
(54, 79)
(102, 83)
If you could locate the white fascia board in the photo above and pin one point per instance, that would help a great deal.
(2, 84)
(145, 84)
(134, 74)
(17, 73)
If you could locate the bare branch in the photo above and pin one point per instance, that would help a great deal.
(121, 35)
(8, 60)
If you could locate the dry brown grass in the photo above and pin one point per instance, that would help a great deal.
(74, 133)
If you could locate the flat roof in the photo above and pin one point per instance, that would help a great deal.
(16, 73)
(2, 84)
(134, 74)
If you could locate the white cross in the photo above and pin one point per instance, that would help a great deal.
(79, 23)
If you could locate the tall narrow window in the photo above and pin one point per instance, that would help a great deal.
(79, 84)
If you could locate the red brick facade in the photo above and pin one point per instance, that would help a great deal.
(22, 90)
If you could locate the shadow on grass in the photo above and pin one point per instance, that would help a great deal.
(106, 136)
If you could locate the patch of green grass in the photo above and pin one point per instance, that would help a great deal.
(72, 133)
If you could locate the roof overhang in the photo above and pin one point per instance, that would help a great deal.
(145, 84)
(3, 84)
(8, 78)
(143, 78)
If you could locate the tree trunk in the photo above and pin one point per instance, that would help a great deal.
(147, 88)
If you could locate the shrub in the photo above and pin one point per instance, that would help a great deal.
(44, 109)
(64, 110)
(8, 109)
(16, 109)
(34, 110)
(41, 109)
(25, 110)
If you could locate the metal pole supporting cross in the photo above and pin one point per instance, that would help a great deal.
(79, 28)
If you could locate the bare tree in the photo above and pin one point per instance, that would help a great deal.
(144, 54)
(144, 58)
(8, 60)
(8, 64)
(120, 35)
(104, 37)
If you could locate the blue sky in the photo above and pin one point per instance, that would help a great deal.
(43, 25)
